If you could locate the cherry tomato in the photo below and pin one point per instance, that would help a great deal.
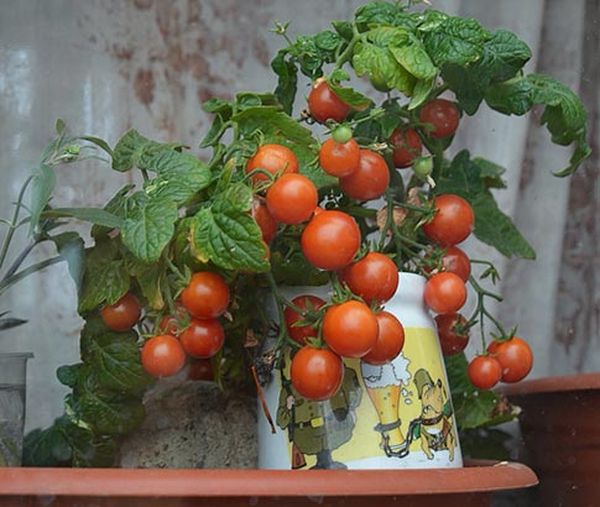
(330, 240)
(452, 339)
(390, 340)
(453, 220)
(456, 261)
(445, 293)
(342, 134)
(350, 329)
(423, 167)
(201, 369)
(370, 180)
(316, 374)
(515, 358)
(206, 296)
(123, 314)
(301, 333)
(265, 221)
(339, 160)
(484, 372)
(292, 199)
(274, 158)
(162, 356)
(325, 105)
(407, 146)
(202, 338)
(374, 278)
(443, 115)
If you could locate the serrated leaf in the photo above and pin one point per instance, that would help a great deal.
(226, 234)
(114, 359)
(129, 150)
(149, 227)
(430, 19)
(456, 40)
(116, 206)
(490, 172)
(511, 97)
(270, 120)
(374, 58)
(327, 40)
(350, 96)
(216, 105)
(42, 186)
(150, 278)
(410, 53)
(180, 177)
(287, 84)
(344, 29)
(421, 93)
(383, 13)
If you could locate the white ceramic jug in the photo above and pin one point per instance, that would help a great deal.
(398, 415)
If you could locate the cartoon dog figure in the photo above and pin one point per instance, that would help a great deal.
(434, 426)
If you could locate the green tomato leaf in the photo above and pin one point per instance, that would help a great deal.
(227, 235)
(456, 40)
(151, 278)
(287, 85)
(180, 177)
(374, 58)
(514, 96)
(383, 13)
(408, 50)
(350, 96)
(270, 120)
(114, 359)
(129, 150)
(218, 106)
(421, 93)
(490, 172)
(42, 186)
(149, 226)
(68, 374)
(116, 206)
(344, 29)
(430, 19)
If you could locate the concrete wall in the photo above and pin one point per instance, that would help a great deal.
(106, 65)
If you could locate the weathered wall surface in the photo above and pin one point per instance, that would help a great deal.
(106, 65)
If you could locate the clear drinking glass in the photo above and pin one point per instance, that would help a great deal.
(13, 375)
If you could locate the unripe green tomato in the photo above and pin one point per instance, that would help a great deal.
(423, 167)
(342, 134)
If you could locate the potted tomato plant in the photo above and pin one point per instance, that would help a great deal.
(351, 200)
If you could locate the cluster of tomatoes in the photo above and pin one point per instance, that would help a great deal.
(350, 329)
(195, 331)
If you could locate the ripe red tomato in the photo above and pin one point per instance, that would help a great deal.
(370, 180)
(202, 338)
(162, 356)
(206, 296)
(452, 339)
(445, 293)
(330, 240)
(456, 261)
(316, 374)
(301, 333)
(123, 314)
(350, 329)
(443, 115)
(292, 199)
(407, 146)
(453, 220)
(274, 158)
(323, 104)
(339, 160)
(201, 369)
(265, 221)
(390, 340)
(484, 372)
(515, 358)
(374, 277)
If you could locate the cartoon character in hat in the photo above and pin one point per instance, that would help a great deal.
(434, 426)
(319, 427)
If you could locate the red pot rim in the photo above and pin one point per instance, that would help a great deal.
(479, 476)
(559, 384)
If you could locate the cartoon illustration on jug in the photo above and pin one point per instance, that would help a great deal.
(319, 427)
(384, 385)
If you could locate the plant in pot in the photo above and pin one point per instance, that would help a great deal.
(43, 224)
(305, 260)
